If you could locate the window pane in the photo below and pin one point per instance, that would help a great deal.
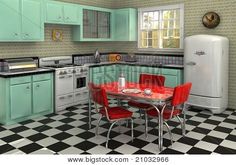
(171, 43)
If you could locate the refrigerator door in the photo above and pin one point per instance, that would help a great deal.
(203, 61)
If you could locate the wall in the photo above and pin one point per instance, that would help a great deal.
(194, 10)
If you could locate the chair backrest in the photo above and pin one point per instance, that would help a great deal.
(181, 94)
(152, 79)
(98, 94)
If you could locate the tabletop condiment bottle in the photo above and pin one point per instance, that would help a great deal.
(121, 82)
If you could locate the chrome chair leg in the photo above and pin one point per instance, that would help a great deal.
(182, 124)
(108, 133)
(170, 134)
(96, 132)
(132, 129)
(127, 123)
(146, 125)
(160, 130)
(140, 113)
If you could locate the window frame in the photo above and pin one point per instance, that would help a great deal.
(161, 8)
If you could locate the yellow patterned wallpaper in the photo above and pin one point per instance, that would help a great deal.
(194, 10)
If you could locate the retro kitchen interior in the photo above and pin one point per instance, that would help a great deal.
(117, 77)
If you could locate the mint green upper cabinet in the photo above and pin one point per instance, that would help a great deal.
(71, 14)
(125, 28)
(97, 25)
(22, 20)
(32, 20)
(10, 20)
(20, 100)
(62, 13)
(54, 12)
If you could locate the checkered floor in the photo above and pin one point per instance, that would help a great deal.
(67, 133)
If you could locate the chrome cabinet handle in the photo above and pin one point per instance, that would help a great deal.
(70, 76)
(27, 87)
(191, 63)
(37, 85)
(15, 34)
(70, 96)
(77, 94)
(61, 97)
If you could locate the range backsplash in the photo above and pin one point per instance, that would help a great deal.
(81, 59)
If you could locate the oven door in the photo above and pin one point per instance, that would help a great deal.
(80, 82)
(64, 84)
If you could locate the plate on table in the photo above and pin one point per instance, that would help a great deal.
(131, 90)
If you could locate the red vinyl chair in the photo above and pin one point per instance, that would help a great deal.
(147, 81)
(177, 107)
(113, 114)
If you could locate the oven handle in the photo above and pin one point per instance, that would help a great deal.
(81, 75)
(69, 76)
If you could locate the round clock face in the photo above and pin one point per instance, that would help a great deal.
(211, 20)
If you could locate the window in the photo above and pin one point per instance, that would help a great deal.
(161, 28)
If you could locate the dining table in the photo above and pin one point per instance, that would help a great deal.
(156, 96)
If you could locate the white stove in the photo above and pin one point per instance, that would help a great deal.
(70, 81)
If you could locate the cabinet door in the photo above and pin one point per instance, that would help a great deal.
(103, 24)
(89, 23)
(54, 12)
(20, 100)
(98, 78)
(171, 81)
(121, 25)
(125, 28)
(71, 14)
(32, 24)
(10, 20)
(42, 96)
(110, 76)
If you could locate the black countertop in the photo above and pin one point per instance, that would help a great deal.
(156, 65)
(25, 73)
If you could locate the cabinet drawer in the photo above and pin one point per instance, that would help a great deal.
(170, 71)
(110, 68)
(99, 69)
(41, 77)
(20, 80)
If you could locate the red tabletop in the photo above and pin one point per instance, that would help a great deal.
(159, 94)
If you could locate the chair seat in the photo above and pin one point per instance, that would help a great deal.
(166, 113)
(138, 105)
(116, 113)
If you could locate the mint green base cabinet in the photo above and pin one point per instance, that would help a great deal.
(20, 100)
(62, 13)
(23, 20)
(110, 73)
(42, 84)
(125, 28)
(173, 77)
(26, 97)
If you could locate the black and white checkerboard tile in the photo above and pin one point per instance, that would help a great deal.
(67, 133)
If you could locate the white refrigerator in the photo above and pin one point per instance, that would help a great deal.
(206, 66)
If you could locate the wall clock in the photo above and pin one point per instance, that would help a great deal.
(211, 20)
(56, 35)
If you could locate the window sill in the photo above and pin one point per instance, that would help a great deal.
(161, 51)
